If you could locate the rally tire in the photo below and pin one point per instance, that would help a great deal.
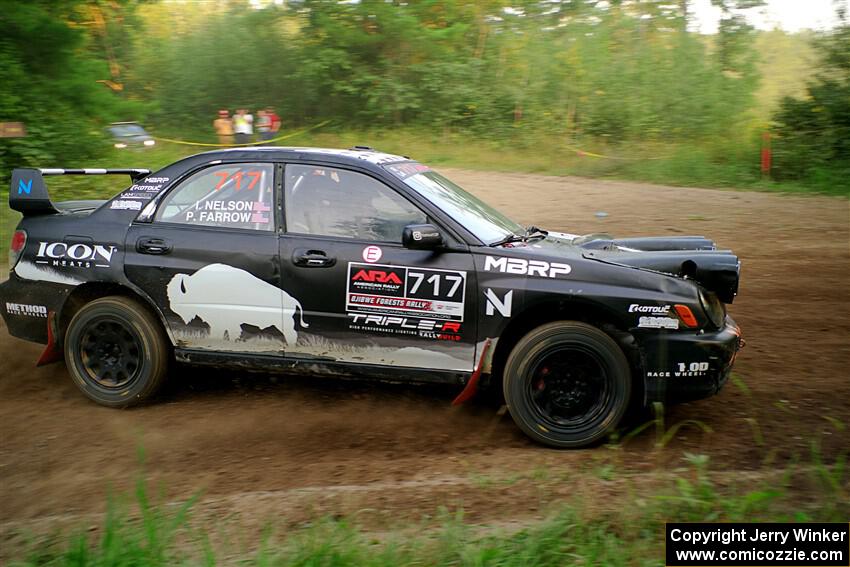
(567, 384)
(116, 352)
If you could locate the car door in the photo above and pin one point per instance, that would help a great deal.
(209, 258)
(366, 298)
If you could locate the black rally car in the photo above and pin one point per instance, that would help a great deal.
(359, 263)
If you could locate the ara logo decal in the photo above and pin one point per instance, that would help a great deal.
(24, 187)
(376, 276)
(503, 306)
(372, 254)
(523, 267)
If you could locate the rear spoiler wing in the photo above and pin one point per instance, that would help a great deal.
(28, 193)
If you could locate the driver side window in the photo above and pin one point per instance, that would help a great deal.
(327, 201)
(235, 195)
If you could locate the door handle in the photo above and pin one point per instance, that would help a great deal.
(151, 245)
(312, 258)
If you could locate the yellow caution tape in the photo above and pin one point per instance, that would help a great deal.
(582, 152)
(260, 143)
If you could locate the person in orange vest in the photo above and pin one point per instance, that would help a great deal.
(224, 128)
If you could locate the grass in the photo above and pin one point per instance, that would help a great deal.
(703, 163)
(631, 533)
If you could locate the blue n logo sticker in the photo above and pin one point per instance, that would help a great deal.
(24, 187)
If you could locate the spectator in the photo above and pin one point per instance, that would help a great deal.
(224, 128)
(275, 120)
(264, 125)
(243, 125)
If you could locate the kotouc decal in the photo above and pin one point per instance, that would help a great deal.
(654, 309)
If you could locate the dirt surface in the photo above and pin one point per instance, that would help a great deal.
(276, 449)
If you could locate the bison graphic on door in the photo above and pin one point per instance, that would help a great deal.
(225, 298)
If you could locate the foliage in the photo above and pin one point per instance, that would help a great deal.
(50, 82)
(540, 77)
(813, 132)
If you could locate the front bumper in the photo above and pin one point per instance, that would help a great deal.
(683, 367)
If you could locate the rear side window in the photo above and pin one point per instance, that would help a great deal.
(327, 201)
(239, 195)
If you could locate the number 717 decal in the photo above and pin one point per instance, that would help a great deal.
(226, 177)
(399, 290)
(434, 280)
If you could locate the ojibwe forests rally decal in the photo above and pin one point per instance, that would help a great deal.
(399, 300)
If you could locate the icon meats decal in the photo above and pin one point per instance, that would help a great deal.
(80, 255)
(209, 294)
(403, 300)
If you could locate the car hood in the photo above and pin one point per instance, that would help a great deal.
(691, 257)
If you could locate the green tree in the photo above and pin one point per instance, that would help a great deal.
(812, 134)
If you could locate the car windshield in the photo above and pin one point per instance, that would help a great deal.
(479, 218)
(127, 130)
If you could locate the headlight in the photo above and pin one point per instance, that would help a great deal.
(713, 307)
(149, 142)
(120, 145)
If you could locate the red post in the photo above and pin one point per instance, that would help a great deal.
(765, 155)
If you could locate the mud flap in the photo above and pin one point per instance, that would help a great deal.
(52, 352)
(472, 385)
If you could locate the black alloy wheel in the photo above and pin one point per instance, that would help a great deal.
(116, 351)
(567, 384)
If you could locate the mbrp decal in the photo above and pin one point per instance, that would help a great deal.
(524, 267)
(79, 255)
(404, 291)
(26, 310)
(209, 295)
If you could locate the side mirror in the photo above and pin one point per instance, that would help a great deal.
(421, 237)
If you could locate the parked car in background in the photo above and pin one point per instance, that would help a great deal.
(130, 134)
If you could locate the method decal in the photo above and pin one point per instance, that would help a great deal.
(26, 310)
(524, 267)
(503, 306)
(225, 298)
(372, 254)
(405, 292)
(79, 255)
